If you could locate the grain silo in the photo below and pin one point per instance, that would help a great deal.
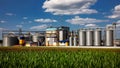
(71, 39)
(89, 37)
(82, 37)
(10, 40)
(74, 41)
(109, 36)
(97, 36)
(75, 37)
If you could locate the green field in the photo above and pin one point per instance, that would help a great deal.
(45, 57)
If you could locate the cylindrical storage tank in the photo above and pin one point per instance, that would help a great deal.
(61, 35)
(109, 37)
(10, 40)
(89, 37)
(35, 38)
(82, 37)
(75, 41)
(70, 41)
(38, 38)
(97, 37)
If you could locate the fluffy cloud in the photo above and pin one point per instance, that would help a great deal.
(40, 27)
(2, 21)
(69, 7)
(25, 17)
(10, 14)
(91, 25)
(45, 20)
(82, 21)
(116, 12)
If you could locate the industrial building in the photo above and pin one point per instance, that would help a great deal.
(57, 36)
(23, 38)
(51, 38)
(61, 36)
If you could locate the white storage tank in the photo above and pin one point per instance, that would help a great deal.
(38, 38)
(63, 34)
(70, 41)
(61, 37)
(75, 34)
(75, 41)
(82, 37)
(35, 37)
(97, 37)
(109, 36)
(89, 37)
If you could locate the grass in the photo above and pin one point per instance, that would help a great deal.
(44, 57)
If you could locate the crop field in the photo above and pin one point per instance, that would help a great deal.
(53, 57)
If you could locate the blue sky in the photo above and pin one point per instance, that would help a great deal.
(40, 14)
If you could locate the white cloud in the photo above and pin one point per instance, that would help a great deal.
(116, 12)
(82, 21)
(2, 21)
(10, 14)
(19, 26)
(69, 7)
(45, 20)
(25, 17)
(91, 25)
(40, 27)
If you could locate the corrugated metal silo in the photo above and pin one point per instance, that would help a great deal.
(89, 37)
(82, 37)
(97, 37)
(109, 37)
